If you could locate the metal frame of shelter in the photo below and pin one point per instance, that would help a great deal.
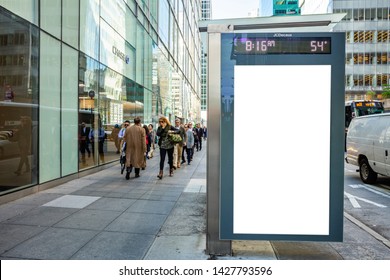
(215, 245)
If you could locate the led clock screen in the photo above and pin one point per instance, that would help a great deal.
(281, 45)
(281, 149)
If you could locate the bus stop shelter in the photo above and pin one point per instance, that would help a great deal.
(218, 242)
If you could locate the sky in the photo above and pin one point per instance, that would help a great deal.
(233, 8)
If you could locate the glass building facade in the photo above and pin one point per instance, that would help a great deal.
(316, 7)
(367, 27)
(206, 8)
(71, 71)
(266, 8)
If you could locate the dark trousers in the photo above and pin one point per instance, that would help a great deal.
(199, 144)
(84, 147)
(163, 153)
(183, 158)
(189, 154)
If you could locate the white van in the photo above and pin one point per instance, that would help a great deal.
(368, 146)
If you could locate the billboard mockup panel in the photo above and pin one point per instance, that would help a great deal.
(282, 140)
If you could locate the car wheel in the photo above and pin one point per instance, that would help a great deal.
(367, 175)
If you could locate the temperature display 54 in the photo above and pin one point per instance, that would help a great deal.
(282, 45)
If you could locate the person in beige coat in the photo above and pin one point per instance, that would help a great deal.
(135, 148)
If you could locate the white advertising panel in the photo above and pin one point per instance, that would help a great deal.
(281, 149)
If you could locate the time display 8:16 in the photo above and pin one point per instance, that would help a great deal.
(300, 45)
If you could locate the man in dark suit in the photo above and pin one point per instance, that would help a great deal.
(84, 141)
(199, 133)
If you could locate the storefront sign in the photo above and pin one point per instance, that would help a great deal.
(121, 55)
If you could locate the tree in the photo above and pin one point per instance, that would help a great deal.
(386, 92)
(370, 95)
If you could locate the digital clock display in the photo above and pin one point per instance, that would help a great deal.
(282, 45)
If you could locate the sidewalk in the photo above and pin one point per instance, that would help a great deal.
(105, 217)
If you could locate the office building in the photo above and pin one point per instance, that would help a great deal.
(266, 8)
(316, 7)
(206, 15)
(367, 27)
(72, 71)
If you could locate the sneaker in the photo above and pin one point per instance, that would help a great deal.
(183, 161)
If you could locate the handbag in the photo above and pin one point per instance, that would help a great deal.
(175, 138)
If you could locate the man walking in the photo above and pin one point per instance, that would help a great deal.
(178, 148)
(199, 133)
(84, 141)
(135, 148)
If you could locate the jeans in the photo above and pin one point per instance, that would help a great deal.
(163, 153)
(189, 154)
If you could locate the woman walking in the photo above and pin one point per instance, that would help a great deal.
(148, 140)
(166, 146)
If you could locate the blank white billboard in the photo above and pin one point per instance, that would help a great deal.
(281, 149)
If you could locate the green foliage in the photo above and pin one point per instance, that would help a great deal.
(370, 94)
(386, 92)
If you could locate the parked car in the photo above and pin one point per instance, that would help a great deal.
(368, 146)
(7, 147)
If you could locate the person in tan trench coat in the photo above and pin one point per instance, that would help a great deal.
(135, 148)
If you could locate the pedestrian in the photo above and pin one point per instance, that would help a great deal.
(23, 136)
(189, 143)
(121, 133)
(100, 134)
(135, 148)
(178, 148)
(84, 141)
(199, 135)
(148, 140)
(194, 133)
(115, 138)
(166, 146)
(9, 94)
(153, 138)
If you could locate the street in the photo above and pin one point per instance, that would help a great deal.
(366, 225)
(368, 204)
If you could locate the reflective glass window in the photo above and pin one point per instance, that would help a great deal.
(163, 21)
(19, 49)
(49, 108)
(89, 116)
(140, 54)
(28, 10)
(70, 22)
(51, 17)
(69, 114)
(89, 28)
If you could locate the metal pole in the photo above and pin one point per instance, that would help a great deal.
(214, 246)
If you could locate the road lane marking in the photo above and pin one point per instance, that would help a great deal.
(353, 199)
(369, 188)
(356, 186)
